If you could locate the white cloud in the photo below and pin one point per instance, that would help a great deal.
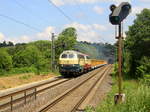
(25, 38)
(57, 2)
(98, 9)
(1, 36)
(99, 27)
(90, 33)
(86, 32)
(19, 39)
(136, 10)
(46, 33)
(72, 2)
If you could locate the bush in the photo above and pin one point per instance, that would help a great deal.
(144, 67)
(5, 61)
(146, 80)
(22, 70)
(137, 99)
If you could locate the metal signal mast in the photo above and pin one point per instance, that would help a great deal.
(117, 15)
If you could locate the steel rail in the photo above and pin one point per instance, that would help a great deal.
(13, 101)
(3, 95)
(63, 95)
(90, 89)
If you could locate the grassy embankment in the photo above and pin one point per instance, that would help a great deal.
(137, 98)
(13, 80)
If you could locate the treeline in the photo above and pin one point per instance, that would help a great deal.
(137, 47)
(24, 58)
(6, 44)
(104, 51)
(36, 56)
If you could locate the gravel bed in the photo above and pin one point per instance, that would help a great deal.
(101, 92)
(74, 97)
(50, 94)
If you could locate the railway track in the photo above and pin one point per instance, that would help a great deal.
(55, 104)
(11, 97)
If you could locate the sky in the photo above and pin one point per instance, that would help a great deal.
(31, 20)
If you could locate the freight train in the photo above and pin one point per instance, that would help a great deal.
(74, 63)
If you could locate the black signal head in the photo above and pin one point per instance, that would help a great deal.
(112, 7)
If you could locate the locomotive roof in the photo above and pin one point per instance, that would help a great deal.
(72, 51)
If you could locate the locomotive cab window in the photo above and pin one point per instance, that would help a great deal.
(71, 55)
(87, 57)
(64, 56)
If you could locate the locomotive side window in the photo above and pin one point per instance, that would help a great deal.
(87, 57)
(81, 56)
(71, 55)
(64, 56)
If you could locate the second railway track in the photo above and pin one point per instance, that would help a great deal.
(11, 98)
(71, 99)
(59, 95)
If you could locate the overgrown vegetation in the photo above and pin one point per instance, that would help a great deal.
(137, 99)
(35, 56)
(136, 70)
(137, 43)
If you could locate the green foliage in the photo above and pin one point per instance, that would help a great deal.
(44, 46)
(144, 67)
(87, 49)
(146, 79)
(36, 56)
(66, 40)
(96, 50)
(5, 61)
(137, 44)
(30, 56)
(26, 57)
(137, 99)
(22, 70)
(25, 77)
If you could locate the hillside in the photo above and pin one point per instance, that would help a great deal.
(97, 50)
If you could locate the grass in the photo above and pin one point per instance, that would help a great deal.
(23, 70)
(25, 77)
(137, 99)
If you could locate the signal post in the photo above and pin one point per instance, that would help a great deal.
(52, 53)
(117, 15)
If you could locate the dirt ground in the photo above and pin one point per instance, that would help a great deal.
(20, 79)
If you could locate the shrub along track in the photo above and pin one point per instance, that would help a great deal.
(71, 99)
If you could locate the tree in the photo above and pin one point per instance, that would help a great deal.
(44, 47)
(26, 57)
(5, 61)
(30, 56)
(10, 43)
(66, 40)
(138, 41)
